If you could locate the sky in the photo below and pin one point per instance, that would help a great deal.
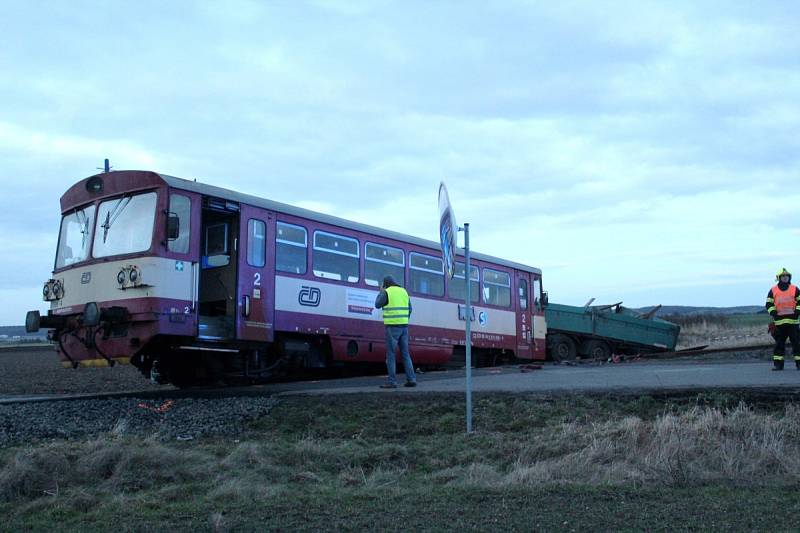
(643, 152)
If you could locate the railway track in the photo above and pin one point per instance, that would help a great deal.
(175, 414)
(143, 394)
(152, 394)
(277, 387)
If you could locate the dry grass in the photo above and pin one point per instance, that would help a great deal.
(114, 466)
(721, 331)
(349, 471)
(703, 445)
(217, 523)
(35, 472)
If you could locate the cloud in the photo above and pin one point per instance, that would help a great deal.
(26, 298)
(34, 142)
(617, 145)
(29, 260)
(350, 7)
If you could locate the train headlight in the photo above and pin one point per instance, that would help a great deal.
(129, 276)
(95, 184)
(58, 290)
(53, 290)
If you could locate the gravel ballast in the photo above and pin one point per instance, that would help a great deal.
(178, 419)
(39, 372)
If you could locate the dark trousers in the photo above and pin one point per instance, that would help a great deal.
(783, 332)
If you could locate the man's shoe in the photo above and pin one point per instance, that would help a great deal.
(410, 384)
(777, 368)
(388, 386)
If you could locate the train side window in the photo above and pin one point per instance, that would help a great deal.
(217, 239)
(256, 243)
(180, 206)
(381, 261)
(523, 294)
(290, 250)
(457, 287)
(426, 274)
(335, 257)
(496, 287)
(215, 248)
(537, 293)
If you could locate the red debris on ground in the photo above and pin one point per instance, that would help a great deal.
(163, 408)
(529, 368)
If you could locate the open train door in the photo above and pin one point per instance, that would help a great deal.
(255, 287)
(524, 306)
(216, 302)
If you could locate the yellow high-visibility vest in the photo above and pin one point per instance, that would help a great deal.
(395, 313)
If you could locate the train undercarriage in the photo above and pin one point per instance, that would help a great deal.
(190, 363)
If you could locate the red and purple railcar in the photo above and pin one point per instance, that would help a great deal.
(191, 283)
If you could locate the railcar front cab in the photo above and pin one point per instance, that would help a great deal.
(123, 272)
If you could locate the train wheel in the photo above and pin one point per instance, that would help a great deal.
(596, 349)
(563, 348)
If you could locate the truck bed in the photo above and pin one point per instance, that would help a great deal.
(622, 328)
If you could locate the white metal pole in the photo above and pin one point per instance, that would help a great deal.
(468, 313)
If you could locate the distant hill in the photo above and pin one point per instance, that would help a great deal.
(689, 310)
(7, 333)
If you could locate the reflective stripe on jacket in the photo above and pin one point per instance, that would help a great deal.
(395, 313)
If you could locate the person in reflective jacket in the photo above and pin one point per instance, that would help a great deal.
(396, 305)
(783, 305)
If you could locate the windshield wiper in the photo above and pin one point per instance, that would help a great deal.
(80, 216)
(83, 221)
(113, 214)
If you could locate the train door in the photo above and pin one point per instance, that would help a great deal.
(216, 302)
(524, 315)
(538, 324)
(256, 286)
(183, 227)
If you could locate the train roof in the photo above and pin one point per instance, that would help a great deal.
(211, 190)
(143, 177)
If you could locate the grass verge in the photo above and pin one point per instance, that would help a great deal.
(372, 462)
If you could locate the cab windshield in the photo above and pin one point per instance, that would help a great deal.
(75, 236)
(125, 225)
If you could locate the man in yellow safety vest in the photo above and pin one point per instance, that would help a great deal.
(396, 305)
(783, 305)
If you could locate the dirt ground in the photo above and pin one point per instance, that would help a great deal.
(38, 371)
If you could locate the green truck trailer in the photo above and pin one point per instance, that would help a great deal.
(599, 331)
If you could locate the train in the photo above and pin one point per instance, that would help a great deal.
(193, 283)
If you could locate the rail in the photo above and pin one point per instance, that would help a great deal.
(278, 387)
